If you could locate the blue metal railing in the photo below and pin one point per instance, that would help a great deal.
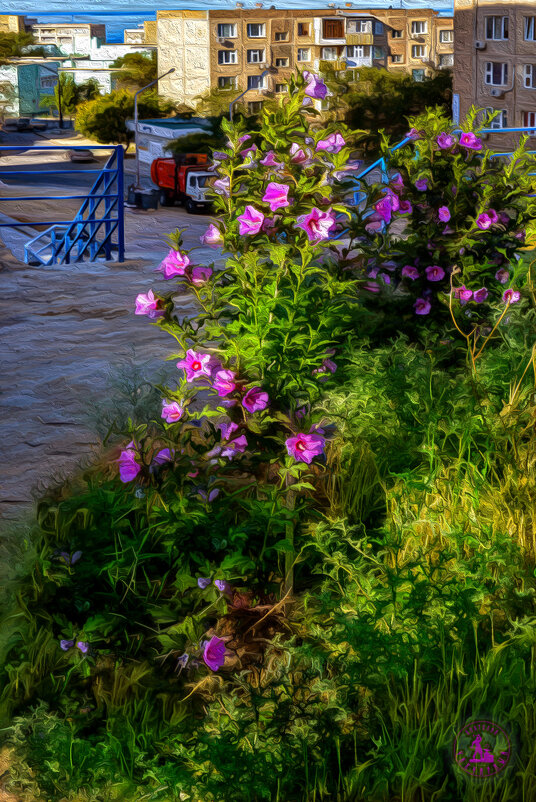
(360, 195)
(55, 245)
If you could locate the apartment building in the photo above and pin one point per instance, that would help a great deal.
(230, 49)
(15, 23)
(70, 39)
(144, 34)
(495, 64)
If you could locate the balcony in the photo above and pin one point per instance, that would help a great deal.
(326, 64)
(359, 38)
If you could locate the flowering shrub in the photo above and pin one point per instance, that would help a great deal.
(465, 217)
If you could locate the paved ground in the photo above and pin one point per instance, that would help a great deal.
(65, 331)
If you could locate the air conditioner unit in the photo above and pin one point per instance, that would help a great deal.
(496, 92)
(483, 136)
(480, 45)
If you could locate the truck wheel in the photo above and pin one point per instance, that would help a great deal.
(190, 205)
(164, 199)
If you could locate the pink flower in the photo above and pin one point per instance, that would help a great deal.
(251, 149)
(332, 144)
(410, 272)
(223, 382)
(200, 275)
(270, 223)
(470, 141)
(422, 306)
(317, 225)
(328, 365)
(214, 653)
(195, 365)
(413, 134)
(236, 446)
(222, 186)
(227, 429)
(434, 273)
(405, 207)
(480, 295)
(212, 237)
(276, 195)
(511, 296)
(303, 447)
(171, 411)
(384, 208)
(244, 138)
(165, 455)
(463, 294)
(251, 221)
(128, 467)
(504, 219)
(148, 305)
(444, 214)
(421, 184)
(270, 160)
(502, 275)
(255, 399)
(174, 264)
(445, 140)
(298, 155)
(483, 221)
(493, 216)
(83, 646)
(315, 87)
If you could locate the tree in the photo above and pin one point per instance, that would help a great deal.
(104, 118)
(11, 45)
(215, 102)
(72, 94)
(200, 143)
(137, 71)
(370, 99)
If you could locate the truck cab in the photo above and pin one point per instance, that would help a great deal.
(197, 185)
(185, 179)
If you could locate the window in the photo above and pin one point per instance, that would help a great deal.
(227, 56)
(378, 27)
(496, 27)
(256, 30)
(529, 119)
(396, 34)
(419, 27)
(281, 36)
(529, 28)
(446, 60)
(396, 59)
(303, 54)
(329, 53)
(281, 62)
(378, 52)
(281, 88)
(418, 51)
(255, 106)
(256, 82)
(333, 29)
(226, 31)
(446, 36)
(496, 73)
(500, 121)
(303, 29)
(530, 76)
(255, 56)
(355, 51)
(227, 82)
(418, 75)
(359, 26)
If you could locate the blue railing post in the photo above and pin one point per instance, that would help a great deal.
(119, 155)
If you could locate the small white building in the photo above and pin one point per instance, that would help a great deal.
(134, 36)
(70, 38)
(154, 135)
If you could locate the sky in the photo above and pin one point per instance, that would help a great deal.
(128, 13)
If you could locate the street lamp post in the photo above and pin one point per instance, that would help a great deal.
(137, 187)
(57, 74)
(231, 104)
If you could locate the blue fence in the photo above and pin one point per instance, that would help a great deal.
(91, 232)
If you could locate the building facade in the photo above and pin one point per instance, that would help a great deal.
(70, 39)
(26, 83)
(15, 23)
(134, 36)
(495, 65)
(230, 49)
